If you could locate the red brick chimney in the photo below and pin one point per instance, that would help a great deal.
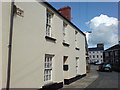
(66, 11)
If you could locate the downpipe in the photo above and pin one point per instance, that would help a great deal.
(10, 45)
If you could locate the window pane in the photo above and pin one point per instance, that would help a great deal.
(50, 77)
(48, 59)
(45, 65)
(48, 24)
(46, 77)
(44, 72)
(50, 65)
(47, 71)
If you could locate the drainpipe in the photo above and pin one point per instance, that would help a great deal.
(10, 45)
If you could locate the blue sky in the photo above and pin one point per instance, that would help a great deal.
(83, 12)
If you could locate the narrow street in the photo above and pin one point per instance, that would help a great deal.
(106, 80)
(95, 79)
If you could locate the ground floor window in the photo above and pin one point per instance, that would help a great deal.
(48, 68)
(77, 62)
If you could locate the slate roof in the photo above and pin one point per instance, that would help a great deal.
(117, 46)
(95, 49)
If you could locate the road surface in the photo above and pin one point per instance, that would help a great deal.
(106, 80)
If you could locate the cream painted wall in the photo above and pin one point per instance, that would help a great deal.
(82, 54)
(30, 46)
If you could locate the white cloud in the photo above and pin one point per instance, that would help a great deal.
(104, 30)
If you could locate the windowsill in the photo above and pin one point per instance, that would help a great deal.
(77, 48)
(48, 82)
(66, 44)
(50, 38)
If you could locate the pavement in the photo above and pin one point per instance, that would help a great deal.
(85, 81)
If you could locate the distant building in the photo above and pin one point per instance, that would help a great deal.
(112, 55)
(96, 53)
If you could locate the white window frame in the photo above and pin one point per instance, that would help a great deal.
(48, 68)
(49, 24)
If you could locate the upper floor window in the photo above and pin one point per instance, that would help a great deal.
(106, 54)
(97, 56)
(116, 53)
(48, 23)
(64, 32)
(111, 53)
(76, 32)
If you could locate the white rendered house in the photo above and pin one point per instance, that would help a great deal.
(96, 54)
(40, 47)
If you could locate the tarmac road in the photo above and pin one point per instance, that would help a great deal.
(106, 80)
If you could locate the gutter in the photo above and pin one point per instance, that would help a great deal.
(10, 45)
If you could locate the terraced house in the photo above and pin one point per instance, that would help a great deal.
(41, 47)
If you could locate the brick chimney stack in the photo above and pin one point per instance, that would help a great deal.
(66, 11)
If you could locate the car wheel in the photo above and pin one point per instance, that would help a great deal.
(110, 70)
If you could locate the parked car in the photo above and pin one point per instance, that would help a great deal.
(105, 67)
(97, 63)
(92, 62)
